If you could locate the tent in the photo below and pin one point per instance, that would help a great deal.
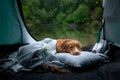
(12, 26)
(13, 34)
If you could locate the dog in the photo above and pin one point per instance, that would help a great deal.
(68, 46)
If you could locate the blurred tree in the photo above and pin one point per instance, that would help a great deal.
(62, 11)
(81, 14)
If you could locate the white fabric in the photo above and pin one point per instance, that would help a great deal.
(85, 59)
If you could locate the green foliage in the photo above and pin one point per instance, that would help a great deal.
(70, 18)
(93, 3)
(43, 16)
(86, 14)
(95, 23)
(81, 15)
(59, 18)
(60, 31)
(98, 13)
(61, 11)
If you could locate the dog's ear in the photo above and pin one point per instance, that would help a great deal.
(79, 43)
(61, 45)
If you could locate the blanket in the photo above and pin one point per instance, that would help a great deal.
(108, 71)
(44, 51)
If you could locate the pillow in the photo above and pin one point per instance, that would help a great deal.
(85, 59)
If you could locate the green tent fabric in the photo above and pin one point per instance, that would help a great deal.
(110, 29)
(111, 15)
(12, 28)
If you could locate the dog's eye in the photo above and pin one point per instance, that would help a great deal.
(78, 47)
(71, 47)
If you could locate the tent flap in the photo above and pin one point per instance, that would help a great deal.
(12, 27)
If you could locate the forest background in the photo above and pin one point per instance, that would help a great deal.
(76, 19)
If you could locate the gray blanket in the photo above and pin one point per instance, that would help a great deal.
(44, 51)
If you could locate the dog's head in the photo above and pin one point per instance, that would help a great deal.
(68, 46)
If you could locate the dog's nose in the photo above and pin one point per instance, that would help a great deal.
(77, 53)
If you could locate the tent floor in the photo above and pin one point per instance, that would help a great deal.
(109, 71)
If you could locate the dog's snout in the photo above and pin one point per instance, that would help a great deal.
(77, 53)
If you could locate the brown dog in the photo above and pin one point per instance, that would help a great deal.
(68, 46)
(65, 46)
